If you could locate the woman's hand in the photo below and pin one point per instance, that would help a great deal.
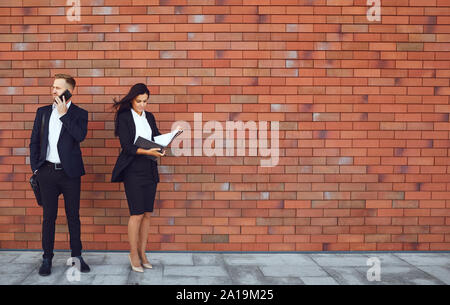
(156, 152)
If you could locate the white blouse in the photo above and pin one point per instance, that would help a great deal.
(142, 126)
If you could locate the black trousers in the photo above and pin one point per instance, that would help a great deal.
(52, 183)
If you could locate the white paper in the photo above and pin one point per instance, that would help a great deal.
(166, 138)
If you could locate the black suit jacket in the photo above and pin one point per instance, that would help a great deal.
(127, 133)
(73, 132)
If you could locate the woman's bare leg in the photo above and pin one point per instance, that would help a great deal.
(143, 237)
(134, 224)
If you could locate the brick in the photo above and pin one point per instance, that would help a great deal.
(362, 109)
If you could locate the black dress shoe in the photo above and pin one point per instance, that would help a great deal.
(83, 266)
(46, 267)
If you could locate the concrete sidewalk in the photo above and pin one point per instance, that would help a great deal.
(199, 268)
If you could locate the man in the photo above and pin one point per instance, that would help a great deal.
(56, 158)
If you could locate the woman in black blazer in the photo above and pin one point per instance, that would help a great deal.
(135, 169)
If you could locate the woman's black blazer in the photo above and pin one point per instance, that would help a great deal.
(127, 133)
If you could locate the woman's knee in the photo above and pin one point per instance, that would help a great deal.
(137, 218)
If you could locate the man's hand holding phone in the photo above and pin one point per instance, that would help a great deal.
(60, 102)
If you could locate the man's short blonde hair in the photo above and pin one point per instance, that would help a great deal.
(69, 79)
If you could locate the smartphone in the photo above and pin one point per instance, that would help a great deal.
(67, 95)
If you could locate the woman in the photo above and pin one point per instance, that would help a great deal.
(135, 169)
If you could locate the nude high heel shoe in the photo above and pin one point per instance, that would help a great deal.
(135, 269)
(148, 266)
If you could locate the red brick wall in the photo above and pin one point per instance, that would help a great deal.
(363, 108)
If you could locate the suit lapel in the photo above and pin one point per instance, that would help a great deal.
(150, 122)
(131, 124)
(47, 113)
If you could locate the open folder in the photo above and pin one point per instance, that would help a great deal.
(161, 141)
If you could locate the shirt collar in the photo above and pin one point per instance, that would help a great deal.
(137, 114)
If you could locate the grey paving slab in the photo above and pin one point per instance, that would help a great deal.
(179, 280)
(149, 277)
(296, 259)
(292, 271)
(6, 258)
(318, 280)
(116, 259)
(93, 259)
(17, 268)
(425, 282)
(441, 273)
(401, 275)
(426, 259)
(390, 260)
(207, 259)
(340, 260)
(192, 268)
(110, 269)
(194, 271)
(245, 275)
(12, 279)
(268, 259)
(347, 275)
(54, 278)
(270, 280)
(106, 279)
(171, 258)
(26, 258)
(214, 280)
(84, 279)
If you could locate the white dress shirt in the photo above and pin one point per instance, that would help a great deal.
(54, 130)
(143, 128)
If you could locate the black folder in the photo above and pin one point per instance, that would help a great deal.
(147, 144)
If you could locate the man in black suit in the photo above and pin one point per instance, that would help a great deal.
(56, 158)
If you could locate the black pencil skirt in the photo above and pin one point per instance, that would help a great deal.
(140, 181)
